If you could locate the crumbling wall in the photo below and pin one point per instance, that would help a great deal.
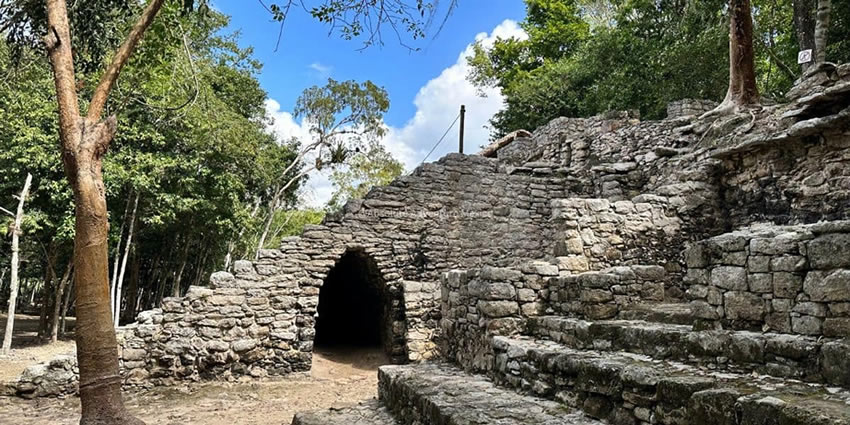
(787, 279)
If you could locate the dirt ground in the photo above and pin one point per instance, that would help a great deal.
(339, 377)
(27, 349)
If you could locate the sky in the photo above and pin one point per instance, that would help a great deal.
(426, 86)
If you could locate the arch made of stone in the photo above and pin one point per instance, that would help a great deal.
(374, 308)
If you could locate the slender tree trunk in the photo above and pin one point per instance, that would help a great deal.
(85, 141)
(822, 30)
(13, 296)
(804, 27)
(66, 305)
(49, 277)
(57, 304)
(176, 287)
(119, 285)
(133, 290)
(115, 265)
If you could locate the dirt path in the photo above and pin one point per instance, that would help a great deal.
(27, 348)
(339, 377)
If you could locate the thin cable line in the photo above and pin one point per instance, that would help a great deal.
(441, 139)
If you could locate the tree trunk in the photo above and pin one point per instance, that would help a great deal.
(66, 306)
(176, 287)
(49, 277)
(84, 142)
(114, 280)
(119, 285)
(57, 305)
(822, 30)
(13, 296)
(133, 290)
(804, 27)
(743, 91)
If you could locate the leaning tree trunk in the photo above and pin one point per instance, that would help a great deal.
(822, 30)
(742, 91)
(84, 143)
(13, 296)
(57, 305)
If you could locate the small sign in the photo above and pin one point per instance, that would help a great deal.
(805, 56)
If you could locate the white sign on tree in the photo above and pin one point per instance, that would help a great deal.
(805, 56)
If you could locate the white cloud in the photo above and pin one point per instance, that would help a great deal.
(437, 105)
(322, 71)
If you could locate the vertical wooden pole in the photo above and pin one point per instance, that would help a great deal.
(462, 125)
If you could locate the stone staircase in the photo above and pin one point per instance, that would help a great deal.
(538, 344)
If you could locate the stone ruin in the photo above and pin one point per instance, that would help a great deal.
(598, 270)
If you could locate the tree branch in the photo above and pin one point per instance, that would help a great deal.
(101, 93)
(58, 42)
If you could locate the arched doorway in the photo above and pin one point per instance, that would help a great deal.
(357, 309)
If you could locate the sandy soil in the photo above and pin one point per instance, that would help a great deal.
(339, 377)
(27, 349)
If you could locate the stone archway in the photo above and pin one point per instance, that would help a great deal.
(357, 308)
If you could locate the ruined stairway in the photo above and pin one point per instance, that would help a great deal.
(806, 358)
(629, 388)
(438, 393)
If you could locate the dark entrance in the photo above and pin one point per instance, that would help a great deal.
(353, 305)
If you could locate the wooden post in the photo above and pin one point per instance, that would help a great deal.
(462, 125)
(13, 297)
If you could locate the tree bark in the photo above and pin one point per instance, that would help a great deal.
(57, 305)
(822, 30)
(84, 143)
(13, 297)
(120, 283)
(743, 91)
(804, 27)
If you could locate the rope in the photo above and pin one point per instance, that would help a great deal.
(441, 139)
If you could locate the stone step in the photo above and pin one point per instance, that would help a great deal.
(672, 313)
(627, 388)
(787, 356)
(370, 412)
(441, 394)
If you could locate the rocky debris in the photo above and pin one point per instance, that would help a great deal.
(365, 413)
(435, 393)
(58, 377)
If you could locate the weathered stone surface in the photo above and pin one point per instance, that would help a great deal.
(828, 286)
(830, 251)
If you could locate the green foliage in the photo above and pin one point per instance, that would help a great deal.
(376, 167)
(290, 223)
(191, 143)
(633, 54)
(343, 118)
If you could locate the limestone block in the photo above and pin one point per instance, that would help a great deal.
(729, 277)
(743, 306)
(828, 286)
(830, 251)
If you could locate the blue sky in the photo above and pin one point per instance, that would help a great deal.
(426, 87)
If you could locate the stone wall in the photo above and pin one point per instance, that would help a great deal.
(689, 107)
(260, 320)
(787, 279)
(253, 322)
(594, 234)
(797, 181)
